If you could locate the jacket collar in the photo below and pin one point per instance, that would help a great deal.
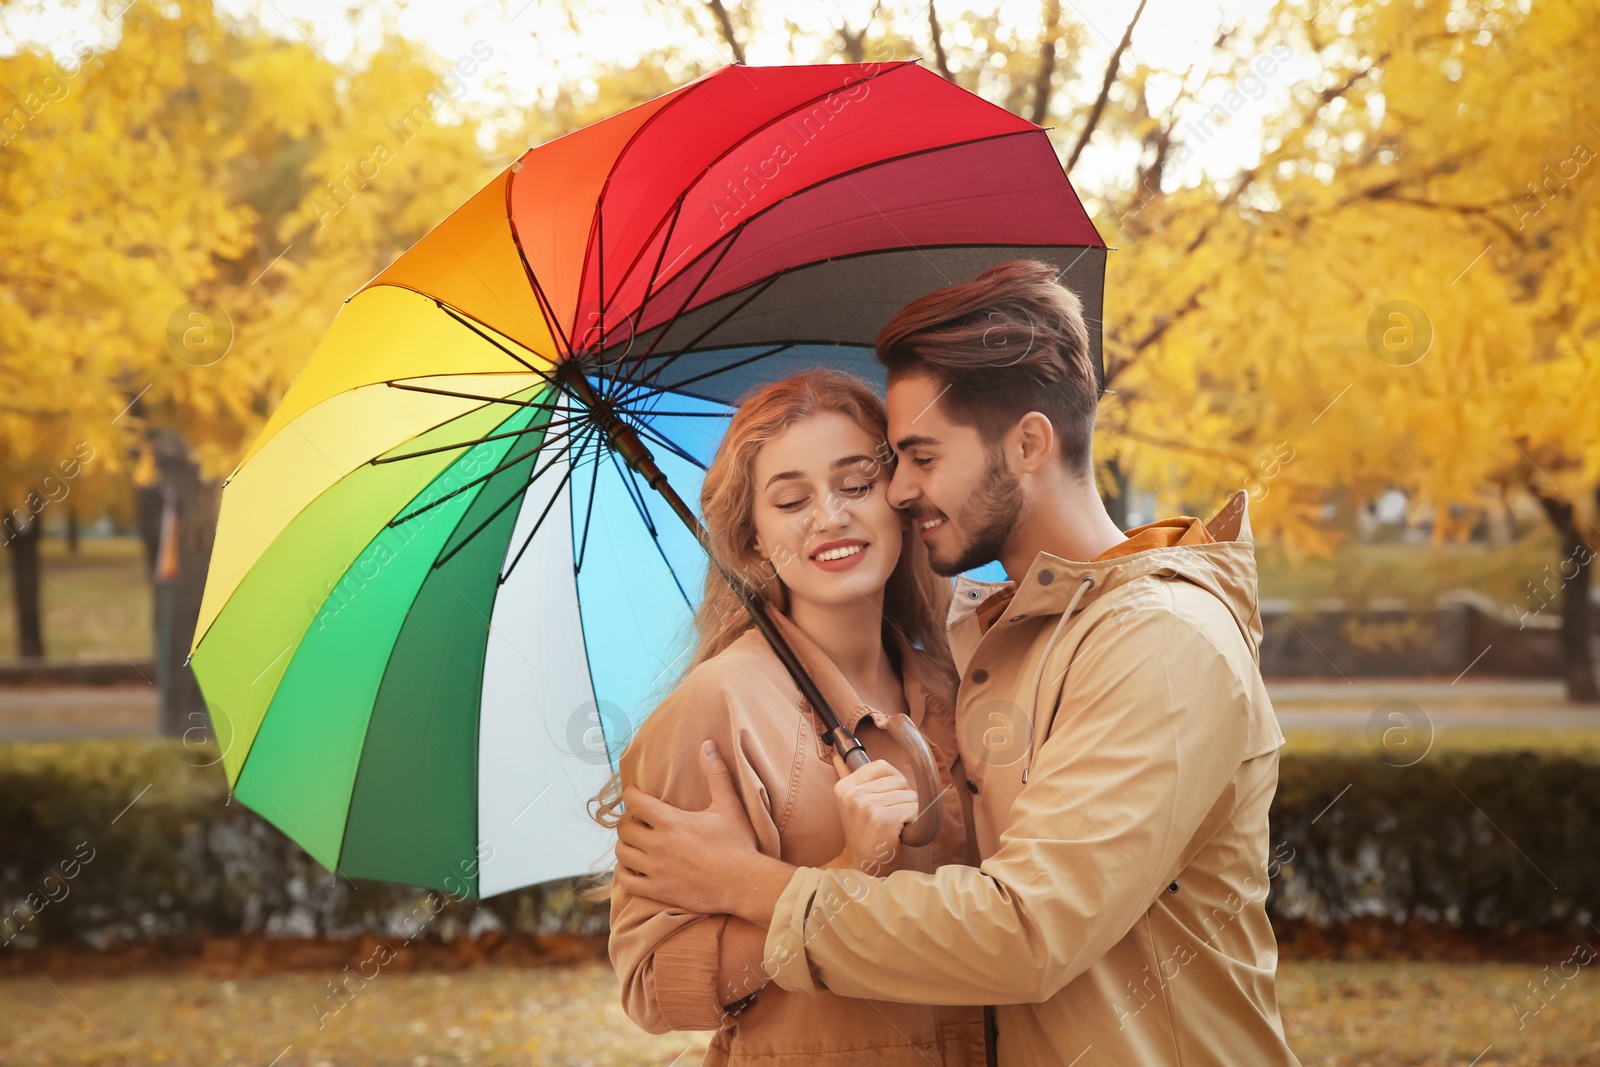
(921, 681)
(1226, 567)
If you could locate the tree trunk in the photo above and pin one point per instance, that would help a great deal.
(177, 520)
(1577, 613)
(72, 529)
(22, 542)
(1577, 623)
(1117, 506)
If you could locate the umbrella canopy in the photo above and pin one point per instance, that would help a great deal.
(438, 601)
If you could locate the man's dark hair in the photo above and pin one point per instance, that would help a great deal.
(1010, 341)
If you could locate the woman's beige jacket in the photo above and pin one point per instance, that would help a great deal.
(666, 959)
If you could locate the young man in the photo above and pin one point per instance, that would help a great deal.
(1114, 733)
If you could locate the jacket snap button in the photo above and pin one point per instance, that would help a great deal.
(1046, 576)
(980, 675)
(973, 786)
(1018, 618)
(1173, 888)
(972, 594)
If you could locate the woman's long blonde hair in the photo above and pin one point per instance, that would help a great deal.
(915, 599)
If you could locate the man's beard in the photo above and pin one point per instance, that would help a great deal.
(989, 515)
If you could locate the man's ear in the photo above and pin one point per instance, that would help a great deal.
(1035, 442)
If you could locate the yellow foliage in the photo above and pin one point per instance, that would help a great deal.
(160, 267)
(1443, 157)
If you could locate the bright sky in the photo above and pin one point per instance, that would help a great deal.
(537, 48)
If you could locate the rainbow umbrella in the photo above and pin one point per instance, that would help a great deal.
(455, 568)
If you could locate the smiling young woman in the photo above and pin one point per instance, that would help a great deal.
(796, 502)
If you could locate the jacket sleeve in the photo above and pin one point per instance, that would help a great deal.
(1149, 730)
(666, 958)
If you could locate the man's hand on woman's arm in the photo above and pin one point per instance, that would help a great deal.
(707, 861)
(704, 861)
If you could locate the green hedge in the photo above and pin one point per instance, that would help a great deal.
(1476, 840)
(1482, 841)
(134, 840)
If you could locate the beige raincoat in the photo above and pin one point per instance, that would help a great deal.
(667, 958)
(1122, 755)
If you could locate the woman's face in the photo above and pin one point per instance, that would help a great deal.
(822, 513)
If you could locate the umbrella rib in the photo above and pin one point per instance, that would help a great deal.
(649, 525)
(769, 280)
(655, 271)
(843, 175)
(554, 496)
(676, 450)
(657, 390)
(541, 405)
(605, 187)
(545, 426)
(469, 324)
(515, 496)
(551, 319)
(761, 126)
(655, 372)
(600, 270)
(588, 512)
(600, 266)
(627, 487)
(483, 478)
(687, 300)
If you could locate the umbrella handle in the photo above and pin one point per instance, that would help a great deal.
(925, 827)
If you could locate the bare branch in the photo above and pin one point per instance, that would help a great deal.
(1156, 332)
(1105, 88)
(1248, 177)
(855, 41)
(1051, 33)
(1490, 213)
(1188, 447)
(725, 24)
(940, 60)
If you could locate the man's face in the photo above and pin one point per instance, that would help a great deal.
(962, 498)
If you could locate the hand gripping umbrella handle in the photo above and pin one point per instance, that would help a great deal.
(925, 827)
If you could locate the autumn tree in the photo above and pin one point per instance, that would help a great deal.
(111, 218)
(1401, 292)
(1478, 187)
(205, 191)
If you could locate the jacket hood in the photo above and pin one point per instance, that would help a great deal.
(1225, 567)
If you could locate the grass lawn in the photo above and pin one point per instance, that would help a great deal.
(96, 604)
(1579, 742)
(545, 1016)
(1417, 574)
(1337, 1014)
(1389, 1014)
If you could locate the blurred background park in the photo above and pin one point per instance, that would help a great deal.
(1356, 274)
